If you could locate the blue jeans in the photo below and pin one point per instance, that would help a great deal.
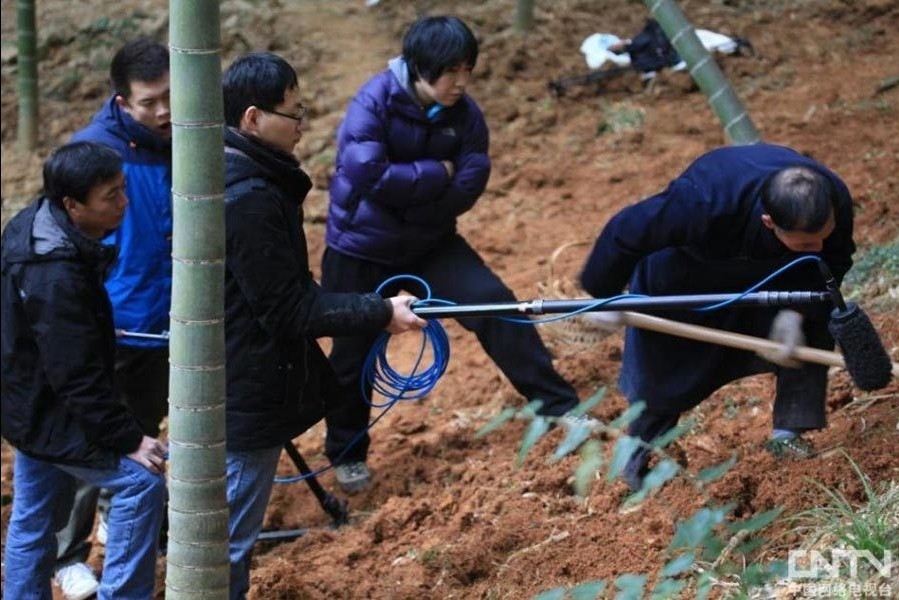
(251, 475)
(43, 494)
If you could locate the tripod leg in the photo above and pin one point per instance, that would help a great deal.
(337, 509)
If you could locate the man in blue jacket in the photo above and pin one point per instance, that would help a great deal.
(734, 216)
(411, 158)
(135, 121)
(59, 406)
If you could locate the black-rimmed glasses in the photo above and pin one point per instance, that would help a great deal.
(301, 114)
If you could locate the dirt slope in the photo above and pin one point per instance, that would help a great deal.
(450, 515)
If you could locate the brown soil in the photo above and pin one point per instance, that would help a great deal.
(450, 515)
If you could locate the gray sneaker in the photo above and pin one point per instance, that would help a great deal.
(353, 477)
(794, 448)
(585, 421)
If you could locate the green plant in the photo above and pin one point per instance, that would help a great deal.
(706, 549)
(874, 527)
(622, 116)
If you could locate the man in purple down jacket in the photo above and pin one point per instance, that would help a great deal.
(411, 158)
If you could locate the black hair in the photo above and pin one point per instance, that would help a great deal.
(140, 60)
(434, 44)
(258, 79)
(799, 199)
(72, 170)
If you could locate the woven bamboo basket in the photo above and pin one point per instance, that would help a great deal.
(574, 333)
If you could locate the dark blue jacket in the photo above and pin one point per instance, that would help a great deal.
(391, 198)
(704, 234)
(58, 345)
(140, 285)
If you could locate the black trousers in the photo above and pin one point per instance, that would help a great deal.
(799, 400)
(455, 272)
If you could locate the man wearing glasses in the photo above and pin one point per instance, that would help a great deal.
(278, 378)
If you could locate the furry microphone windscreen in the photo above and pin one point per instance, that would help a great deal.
(866, 359)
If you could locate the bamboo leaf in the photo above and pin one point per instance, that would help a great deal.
(553, 594)
(717, 471)
(624, 448)
(672, 434)
(694, 532)
(530, 411)
(588, 591)
(757, 522)
(587, 405)
(704, 586)
(660, 474)
(576, 436)
(630, 586)
(497, 421)
(627, 417)
(656, 478)
(668, 588)
(535, 431)
(678, 565)
(585, 474)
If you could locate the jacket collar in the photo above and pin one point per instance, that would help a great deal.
(267, 162)
(117, 121)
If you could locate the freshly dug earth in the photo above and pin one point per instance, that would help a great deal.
(450, 515)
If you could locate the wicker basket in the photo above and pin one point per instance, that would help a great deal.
(574, 333)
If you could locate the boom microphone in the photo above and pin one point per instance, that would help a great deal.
(866, 359)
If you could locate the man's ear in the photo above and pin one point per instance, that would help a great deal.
(767, 221)
(70, 204)
(120, 101)
(249, 120)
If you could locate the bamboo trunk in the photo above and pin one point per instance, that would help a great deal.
(27, 59)
(197, 562)
(738, 124)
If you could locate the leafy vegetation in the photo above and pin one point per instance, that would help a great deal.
(709, 549)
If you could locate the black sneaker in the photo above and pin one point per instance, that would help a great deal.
(793, 448)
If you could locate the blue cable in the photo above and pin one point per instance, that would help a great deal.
(379, 376)
(786, 267)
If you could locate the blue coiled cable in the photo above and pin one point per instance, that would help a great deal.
(379, 376)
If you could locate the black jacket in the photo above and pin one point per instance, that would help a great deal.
(278, 377)
(58, 344)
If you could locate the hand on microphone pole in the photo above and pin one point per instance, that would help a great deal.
(605, 322)
(786, 330)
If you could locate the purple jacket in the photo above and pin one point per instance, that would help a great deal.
(391, 199)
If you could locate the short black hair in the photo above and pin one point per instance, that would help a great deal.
(140, 60)
(72, 170)
(799, 199)
(434, 44)
(258, 79)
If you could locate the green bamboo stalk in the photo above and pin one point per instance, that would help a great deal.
(738, 124)
(524, 15)
(27, 39)
(197, 562)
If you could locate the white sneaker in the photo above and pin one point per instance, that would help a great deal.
(77, 581)
(102, 532)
